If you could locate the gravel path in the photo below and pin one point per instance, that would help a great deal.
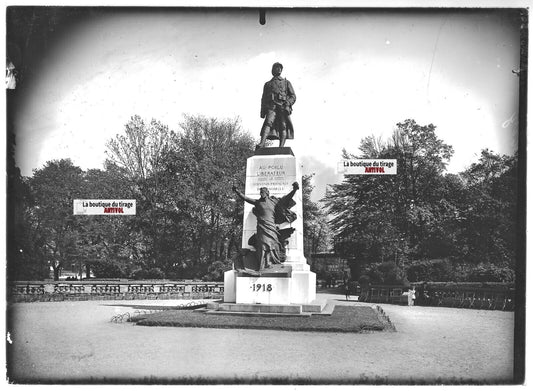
(76, 342)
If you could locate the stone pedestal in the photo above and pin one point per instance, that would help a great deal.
(230, 278)
(276, 169)
(263, 290)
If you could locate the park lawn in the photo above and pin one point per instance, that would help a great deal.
(346, 319)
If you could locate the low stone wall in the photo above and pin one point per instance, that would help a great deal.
(28, 291)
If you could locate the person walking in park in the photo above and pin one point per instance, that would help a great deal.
(347, 290)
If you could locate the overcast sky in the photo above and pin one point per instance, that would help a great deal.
(355, 73)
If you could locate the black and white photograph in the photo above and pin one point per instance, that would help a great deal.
(265, 195)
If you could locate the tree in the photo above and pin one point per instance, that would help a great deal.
(138, 158)
(140, 152)
(392, 218)
(422, 159)
(183, 183)
(490, 210)
(107, 244)
(23, 259)
(423, 219)
(317, 234)
(210, 155)
(25, 256)
(54, 188)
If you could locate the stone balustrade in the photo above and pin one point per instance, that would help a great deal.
(467, 295)
(23, 291)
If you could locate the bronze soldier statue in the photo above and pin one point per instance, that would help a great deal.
(276, 108)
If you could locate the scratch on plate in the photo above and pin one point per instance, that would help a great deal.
(435, 50)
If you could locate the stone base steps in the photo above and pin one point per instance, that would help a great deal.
(316, 307)
(262, 314)
(327, 310)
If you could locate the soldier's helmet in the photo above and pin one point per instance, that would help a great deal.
(277, 64)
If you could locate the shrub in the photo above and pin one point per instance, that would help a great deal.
(431, 270)
(154, 273)
(216, 270)
(104, 269)
(364, 280)
(384, 273)
(488, 272)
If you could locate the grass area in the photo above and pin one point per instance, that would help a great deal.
(345, 319)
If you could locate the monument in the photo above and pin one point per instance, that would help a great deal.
(272, 269)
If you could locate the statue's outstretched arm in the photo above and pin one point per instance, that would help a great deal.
(295, 187)
(243, 197)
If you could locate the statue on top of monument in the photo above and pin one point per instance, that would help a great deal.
(270, 241)
(276, 108)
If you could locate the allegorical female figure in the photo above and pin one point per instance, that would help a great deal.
(270, 211)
